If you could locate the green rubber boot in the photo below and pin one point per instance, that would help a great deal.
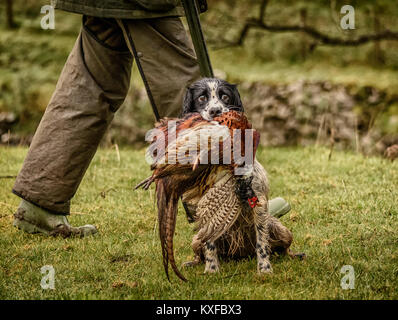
(278, 207)
(33, 219)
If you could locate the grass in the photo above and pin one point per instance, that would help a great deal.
(344, 213)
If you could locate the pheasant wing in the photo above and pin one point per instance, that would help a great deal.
(217, 211)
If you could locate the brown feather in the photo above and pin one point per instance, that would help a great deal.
(176, 179)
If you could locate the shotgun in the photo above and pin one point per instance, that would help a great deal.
(192, 14)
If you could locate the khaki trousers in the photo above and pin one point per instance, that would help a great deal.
(92, 86)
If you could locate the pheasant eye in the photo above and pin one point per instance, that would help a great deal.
(202, 98)
(225, 98)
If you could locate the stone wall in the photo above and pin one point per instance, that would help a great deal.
(303, 113)
(364, 119)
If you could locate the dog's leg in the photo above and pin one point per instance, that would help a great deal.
(281, 239)
(255, 186)
(211, 258)
(261, 219)
(293, 255)
(263, 247)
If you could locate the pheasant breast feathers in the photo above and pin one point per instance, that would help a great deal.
(193, 140)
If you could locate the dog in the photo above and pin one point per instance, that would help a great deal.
(211, 97)
(256, 232)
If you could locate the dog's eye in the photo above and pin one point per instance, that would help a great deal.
(202, 98)
(225, 98)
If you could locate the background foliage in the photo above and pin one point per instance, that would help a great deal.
(31, 60)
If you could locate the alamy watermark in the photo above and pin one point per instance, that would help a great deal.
(348, 281)
(347, 22)
(48, 20)
(48, 280)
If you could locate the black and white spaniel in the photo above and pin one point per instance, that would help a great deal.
(211, 97)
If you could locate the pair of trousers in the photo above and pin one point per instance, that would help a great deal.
(92, 86)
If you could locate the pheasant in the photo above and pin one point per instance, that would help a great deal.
(202, 171)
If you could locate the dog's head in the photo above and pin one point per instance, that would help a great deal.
(211, 97)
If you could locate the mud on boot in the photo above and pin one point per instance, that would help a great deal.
(32, 219)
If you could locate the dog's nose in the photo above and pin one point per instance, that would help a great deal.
(214, 112)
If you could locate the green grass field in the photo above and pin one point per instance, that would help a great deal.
(344, 213)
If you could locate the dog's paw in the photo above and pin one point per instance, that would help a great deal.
(264, 268)
(300, 256)
(212, 269)
(293, 255)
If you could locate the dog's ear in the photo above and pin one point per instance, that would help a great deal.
(236, 99)
(187, 103)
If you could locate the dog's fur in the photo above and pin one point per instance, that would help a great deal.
(257, 232)
(211, 97)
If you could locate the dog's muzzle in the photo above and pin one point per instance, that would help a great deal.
(213, 109)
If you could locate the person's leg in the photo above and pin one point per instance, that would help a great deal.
(167, 58)
(92, 86)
